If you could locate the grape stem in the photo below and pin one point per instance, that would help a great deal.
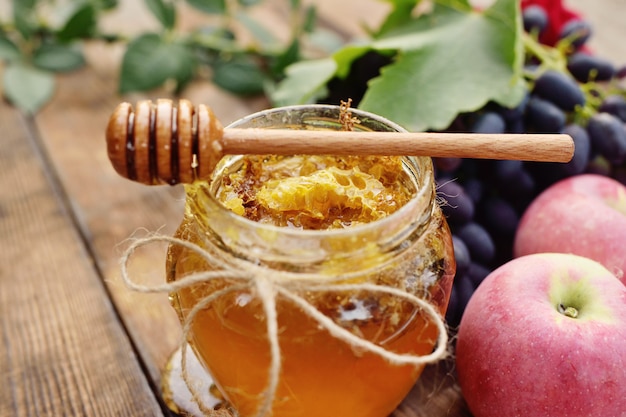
(550, 58)
(555, 58)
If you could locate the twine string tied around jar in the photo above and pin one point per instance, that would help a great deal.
(268, 287)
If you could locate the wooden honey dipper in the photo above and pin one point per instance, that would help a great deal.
(159, 143)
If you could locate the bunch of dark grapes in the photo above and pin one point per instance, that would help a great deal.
(579, 95)
(569, 90)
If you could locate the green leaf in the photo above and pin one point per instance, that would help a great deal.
(28, 4)
(149, 61)
(106, 4)
(164, 11)
(248, 3)
(263, 36)
(8, 50)
(27, 88)
(81, 24)
(346, 56)
(399, 15)
(310, 19)
(325, 40)
(241, 76)
(305, 82)
(209, 6)
(24, 17)
(288, 57)
(210, 41)
(58, 57)
(449, 62)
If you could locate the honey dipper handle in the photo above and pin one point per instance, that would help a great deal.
(172, 143)
(525, 147)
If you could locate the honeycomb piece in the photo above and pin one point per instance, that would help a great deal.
(316, 192)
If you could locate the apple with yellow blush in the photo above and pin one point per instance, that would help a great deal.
(544, 335)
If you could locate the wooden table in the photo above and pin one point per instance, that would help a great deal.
(74, 340)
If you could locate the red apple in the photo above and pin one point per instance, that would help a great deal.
(544, 335)
(584, 215)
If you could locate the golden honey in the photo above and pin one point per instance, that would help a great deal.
(322, 220)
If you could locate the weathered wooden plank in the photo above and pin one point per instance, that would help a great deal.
(111, 209)
(64, 351)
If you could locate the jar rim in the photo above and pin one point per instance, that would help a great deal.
(407, 208)
(421, 200)
(363, 115)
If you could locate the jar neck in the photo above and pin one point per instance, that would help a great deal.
(311, 251)
(285, 248)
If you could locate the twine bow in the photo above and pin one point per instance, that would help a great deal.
(268, 287)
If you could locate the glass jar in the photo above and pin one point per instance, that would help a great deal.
(320, 374)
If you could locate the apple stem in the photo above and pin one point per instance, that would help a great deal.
(571, 312)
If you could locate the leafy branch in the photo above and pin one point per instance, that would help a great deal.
(435, 65)
(418, 69)
(34, 50)
(36, 44)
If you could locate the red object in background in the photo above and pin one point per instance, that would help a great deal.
(558, 15)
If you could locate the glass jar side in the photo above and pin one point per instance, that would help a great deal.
(410, 250)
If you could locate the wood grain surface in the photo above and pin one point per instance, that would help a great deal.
(75, 341)
(64, 350)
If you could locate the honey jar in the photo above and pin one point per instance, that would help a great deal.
(290, 317)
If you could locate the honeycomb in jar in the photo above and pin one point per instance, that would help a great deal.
(316, 191)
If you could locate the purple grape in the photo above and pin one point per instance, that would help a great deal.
(619, 174)
(546, 174)
(517, 112)
(585, 67)
(599, 165)
(582, 150)
(458, 207)
(506, 170)
(543, 116)
(514, 182)
(608, 137)
(524, 185)
(474, 188)
(489, 122)
(512, 175)
(577, 31)
(615, 105)
(462, 291)
(478, 241)
(516, 126)
(499, 217)
(535, 19)
(560, 89)
(477, 273)
(465, 290)
(447, 165)
(452, 312)
(461, 255)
